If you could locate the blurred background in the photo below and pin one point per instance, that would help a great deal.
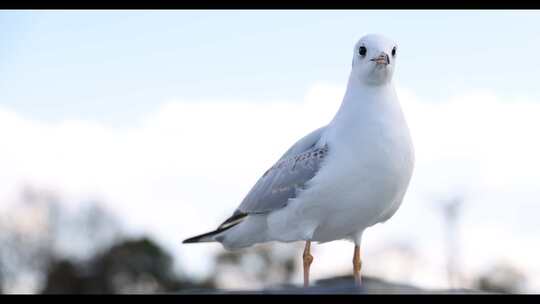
(124, 132)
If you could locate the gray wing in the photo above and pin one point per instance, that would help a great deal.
(289, 174)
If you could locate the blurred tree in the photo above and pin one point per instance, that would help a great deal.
(37, 229)
(136, 266)
(90, 229)
(44, 245)
(502, 277)
(63, 276)
(26, 240)
(131, 266)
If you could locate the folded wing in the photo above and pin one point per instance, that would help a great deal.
(283, 180)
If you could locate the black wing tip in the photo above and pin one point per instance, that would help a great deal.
(192, 240)
(231, 222)
(201, 237)
(234, 220)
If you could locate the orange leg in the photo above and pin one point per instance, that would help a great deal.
(357, 265)
(308, 259)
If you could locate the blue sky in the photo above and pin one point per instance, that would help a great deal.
(132, 107)
(113, 66)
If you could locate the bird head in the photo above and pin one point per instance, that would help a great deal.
(374, 59)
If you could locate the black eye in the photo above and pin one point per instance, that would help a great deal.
(394, 51)
(362, 51)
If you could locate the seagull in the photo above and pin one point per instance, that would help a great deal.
(339, 179)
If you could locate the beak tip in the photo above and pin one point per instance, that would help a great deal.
(382, 59)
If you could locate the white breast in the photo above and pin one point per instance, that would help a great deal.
(361, 183)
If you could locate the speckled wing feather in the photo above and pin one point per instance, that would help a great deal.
(282, 181)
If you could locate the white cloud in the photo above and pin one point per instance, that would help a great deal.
(189, 164)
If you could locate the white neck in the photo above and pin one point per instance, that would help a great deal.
(362, 99)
